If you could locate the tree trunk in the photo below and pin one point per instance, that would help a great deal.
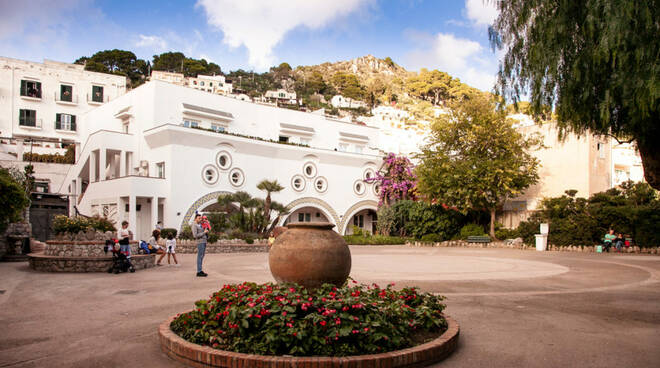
(492, 223)
(650, 153)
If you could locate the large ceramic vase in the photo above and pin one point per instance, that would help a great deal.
(310, 254)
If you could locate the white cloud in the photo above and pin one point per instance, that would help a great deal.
(480, 12)
(460, 57)
(261, 25)
(152, 42)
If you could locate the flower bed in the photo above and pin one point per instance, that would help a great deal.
(286, 319)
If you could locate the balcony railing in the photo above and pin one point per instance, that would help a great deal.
(71, 127)
(60, 98)
(97, 99)
(30, 123)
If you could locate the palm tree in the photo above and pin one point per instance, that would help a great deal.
(244, 200)
(281, 211)
(270, 187)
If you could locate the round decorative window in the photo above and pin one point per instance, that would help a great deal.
(321, 184)
(377, 189)
(369, 174)
(223, 159)
(359, 187)
(298, 183)
(309, 169)
(210, 174)
(236, 177)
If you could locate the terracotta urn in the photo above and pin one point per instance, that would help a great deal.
(310, 254)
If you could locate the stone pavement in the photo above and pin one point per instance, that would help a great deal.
(516, 308)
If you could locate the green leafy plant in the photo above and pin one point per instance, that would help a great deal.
(472, 230)
(277, 319)
(186, 232)
(13, 197)
(167, 231)
(374, 239)
(72, 225)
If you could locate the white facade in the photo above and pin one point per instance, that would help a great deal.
(281, 95)
(211, 83)
(398, 133)
(47, 100)
(142, 161)
(342, 102)
(626, 163)
(169, 77)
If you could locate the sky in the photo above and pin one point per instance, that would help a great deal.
(449, 35)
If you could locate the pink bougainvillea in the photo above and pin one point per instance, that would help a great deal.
(396, 179)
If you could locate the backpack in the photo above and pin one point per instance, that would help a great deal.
(144, 247)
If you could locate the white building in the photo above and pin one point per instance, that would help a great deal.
(342, 102)
(398, 133)
(211, 83)
(169, 77)
(626, 163)
(281, 95)
(142, 160)
(45, 101)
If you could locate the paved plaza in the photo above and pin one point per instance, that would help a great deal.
(516, 308)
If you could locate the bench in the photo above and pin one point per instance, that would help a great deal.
(478, 239)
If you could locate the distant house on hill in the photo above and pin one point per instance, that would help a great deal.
(169, 77)
(342, 102)
(281, 96)
(211, 83)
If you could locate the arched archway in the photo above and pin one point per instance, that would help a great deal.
(202, 202)
(319, 204)
(347, 219)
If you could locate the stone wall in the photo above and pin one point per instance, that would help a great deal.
(16, 228)
(72, 248)
(44, 263)
(222, 246)
(518, 244)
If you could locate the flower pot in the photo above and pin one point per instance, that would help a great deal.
(310, 254)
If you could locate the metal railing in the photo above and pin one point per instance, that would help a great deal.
(97, 99)
(72, 99)
(30, 123)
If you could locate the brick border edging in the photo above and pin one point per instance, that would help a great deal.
(199, 356)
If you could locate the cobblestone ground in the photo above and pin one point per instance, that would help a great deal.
(516, 308)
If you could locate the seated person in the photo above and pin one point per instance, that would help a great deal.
(618, 242)
(608, 239)
(154, 247)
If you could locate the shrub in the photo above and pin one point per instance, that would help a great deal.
(418, 219)
(13, 198)
(167, 231)
(213, 237)
(278, 319)
(434, 238)
(186, 232)
(72, 225)
(472, 230)
(374, 240)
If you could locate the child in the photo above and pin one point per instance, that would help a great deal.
(170, 245)
(206, 225)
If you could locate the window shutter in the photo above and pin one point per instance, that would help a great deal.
(58, 121)
(23, 88)
(73, 122)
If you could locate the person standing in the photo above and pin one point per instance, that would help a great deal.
(170, 245)
(124, 237)
(159, 226)
(201, 235)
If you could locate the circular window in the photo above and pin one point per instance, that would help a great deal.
(223, 159)
(359, 187)
(298, 183)
(210, 174)
(377, 189)
(321, 184)
(369, 174)
(236, 177)
(309, 169)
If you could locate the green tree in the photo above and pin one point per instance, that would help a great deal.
(596, 61)
(179, 63)
(269, 186)
(348, 85)
(13, 197)
(244, 201)
(476, 159)
(120, 62)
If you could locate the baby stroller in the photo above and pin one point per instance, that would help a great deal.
(120, 261)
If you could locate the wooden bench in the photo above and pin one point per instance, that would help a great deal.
(478, 239)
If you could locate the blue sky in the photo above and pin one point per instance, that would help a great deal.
(253, 34)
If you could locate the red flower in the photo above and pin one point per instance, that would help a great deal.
(322, 323)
